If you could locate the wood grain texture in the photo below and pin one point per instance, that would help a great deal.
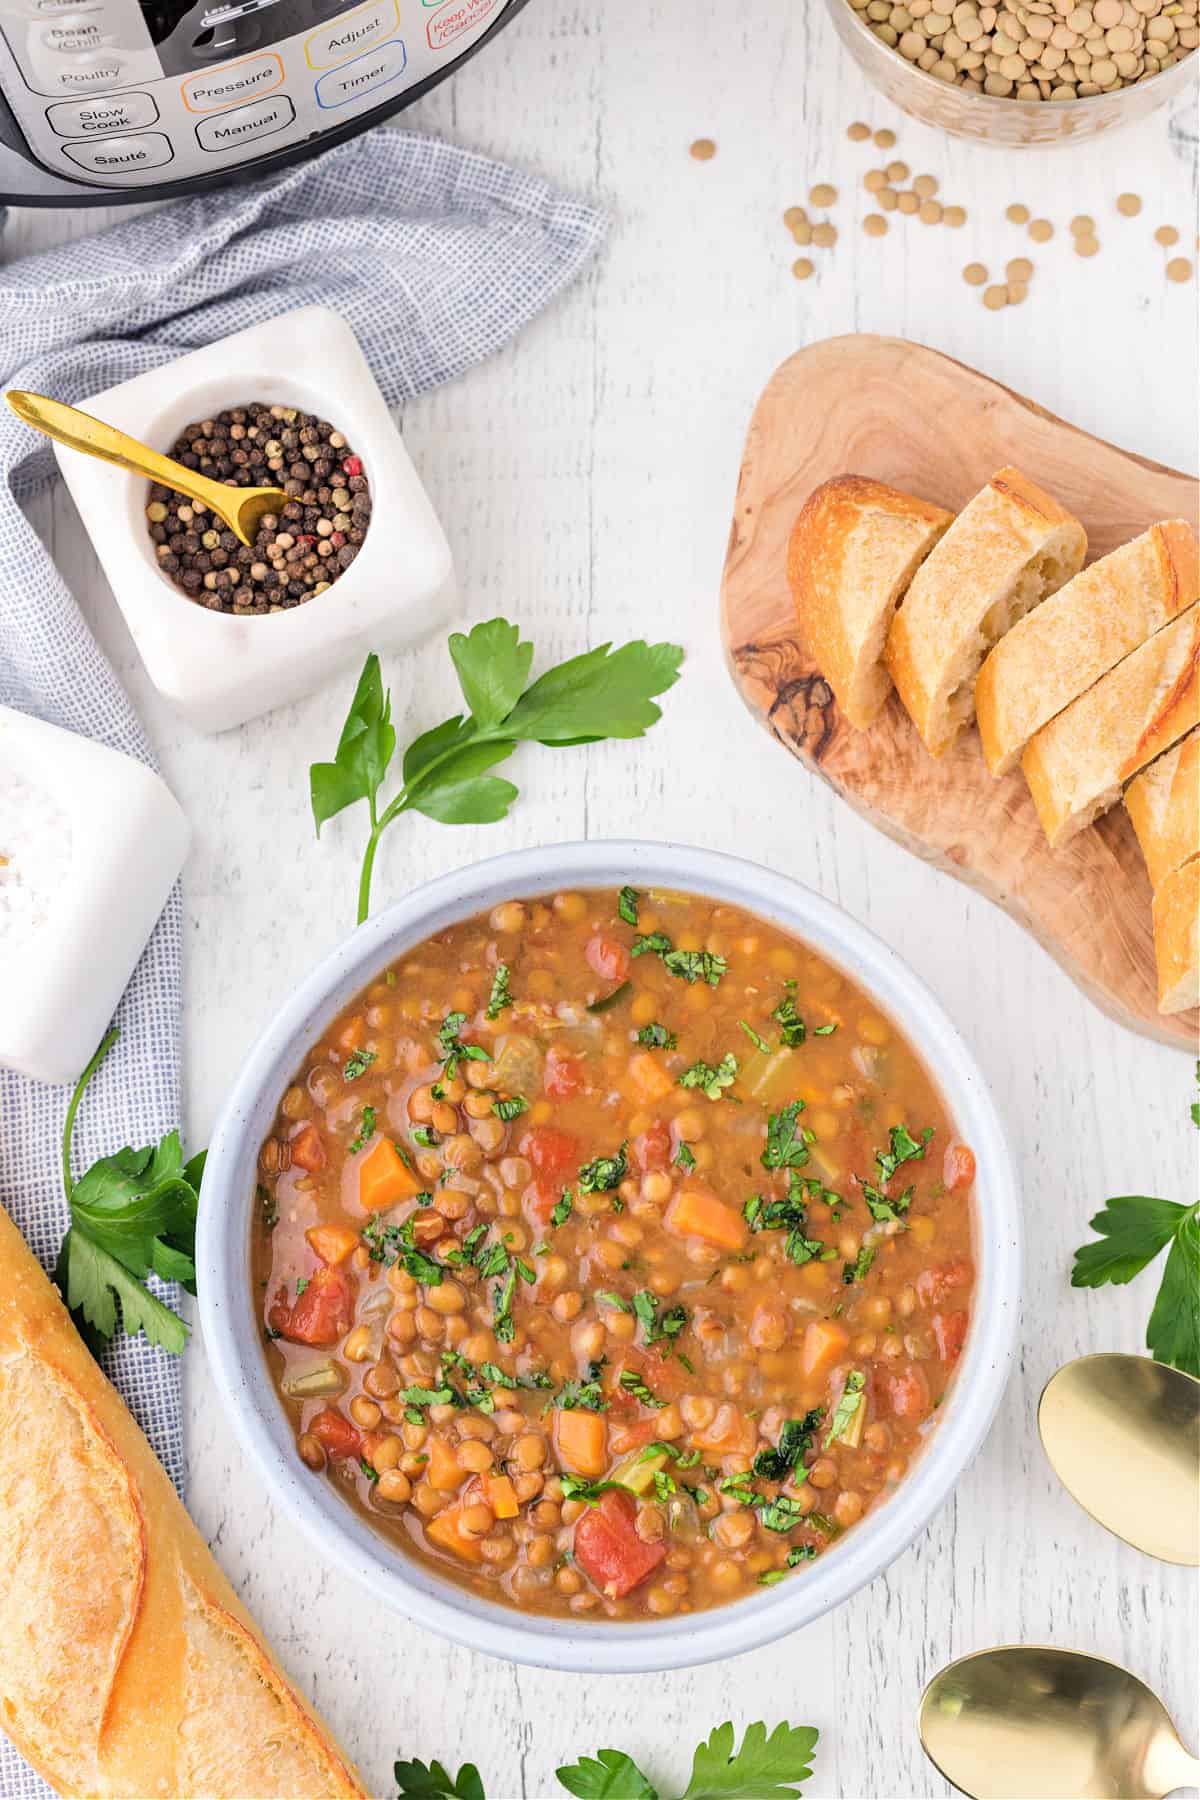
(926, 424)
(584, 478)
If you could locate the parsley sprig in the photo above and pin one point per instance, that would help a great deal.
(132, 1214)
(709, 1078)
(1134, 1229)
(604, 693)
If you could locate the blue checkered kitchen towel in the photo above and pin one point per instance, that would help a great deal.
(435, 257)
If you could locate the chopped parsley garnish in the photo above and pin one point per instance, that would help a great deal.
(796, 1555)
(502, 1319)
(366, 1130)
(604, 1173)
(780, 1514)
(690, 965)
(709, 1080)
(301, 1285)
(357, 1063)
(683, 1158)
(789, 1214)
(562, 1209)
(583, 1396)
(627, 905)
(657, 1037)
(501, 995)
(577, 1487)
(452, 1050)
(760, 1043)
(510, 1109)
(824, 1030)
(426, 1136)
(662, 1449)
(609, 1299)
(632, 1383)
(904, 1148)
(738, 1488)
(787, 1141)
(608, 1001)
(883, 1210)
(856, 1270)
(795, 1437)
(847, 1407)
(791, 1025)
(427, 1396)
(657, 1325)
(370, 1473)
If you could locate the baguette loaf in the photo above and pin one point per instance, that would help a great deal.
(853, 552)
(128, 1668)
(1049, 658)
(1077, 765)
(1164, 804)
(1009, 548)
(1177, 938)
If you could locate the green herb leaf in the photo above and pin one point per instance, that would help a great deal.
(709, 1080)
(1133, 1229)
(683, 1158)
(416, 1782)
(604, 693)
(627, 905)
(657, 1037)
(764, 1768)
(632, 1383)
(510, 1109)
(500, 995)
(857, 1270)
(847, 1407)
(357, 1063)
(786, 1146)
(608, 1001)
(364, 750)
(795, 1437)
(604, 1173)
(561, 1211)
(577, 1487)
(791, 1025)
(1173, 1334)
(365, 1132)
(610, 1299)
(609, 1775)
(492, 664)
(690, 965)
(760, 1043)
(904, 1148)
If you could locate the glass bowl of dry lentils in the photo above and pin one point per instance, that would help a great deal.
(299, 552)
(1032, 72)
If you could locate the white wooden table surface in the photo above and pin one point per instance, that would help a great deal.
(585, 478)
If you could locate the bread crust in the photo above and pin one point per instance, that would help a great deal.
(1164, 805)
(1057, 651)
(1076, 765)
(126, 1582)
(1177, 938)
(1010, 546)
(853, 552)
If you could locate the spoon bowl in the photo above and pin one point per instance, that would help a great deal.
(1123, 1436)
(241, 508)
(1027, 1722)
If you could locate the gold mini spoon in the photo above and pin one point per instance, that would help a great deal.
(1123, 1436)
(241, 508)
(1025, 1722)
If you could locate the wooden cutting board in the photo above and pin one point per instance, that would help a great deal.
(906, 415)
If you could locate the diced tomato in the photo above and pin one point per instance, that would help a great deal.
(554, 1154)
(937, 1284)
(623, 1438)
(308, 1152)
(608, 1549)
(564, 1074)
(322, 1314)
(950, 1330)
(608, 958)
(336, 1433)
(653, 1149)
(906, 1391)
(958, 1167)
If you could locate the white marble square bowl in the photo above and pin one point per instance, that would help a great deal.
(128, 838)
(216, 668)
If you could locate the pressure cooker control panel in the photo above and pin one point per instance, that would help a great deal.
(114, 93)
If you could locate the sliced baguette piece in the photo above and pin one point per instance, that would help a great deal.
(1009, 548)
(1177, 938)
(1164, 804)
(1077, 765)
(1050, 657)
(853, 552)
(128, 1667)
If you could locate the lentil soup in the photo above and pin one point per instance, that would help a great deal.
(613, 1254)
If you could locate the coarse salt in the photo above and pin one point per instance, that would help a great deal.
(35, 856)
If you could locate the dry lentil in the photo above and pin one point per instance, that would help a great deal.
(1129, 205)
(1016, 214)
(926, 186)
(930, 213)
(954, 216)
(259, 445)
(975, 274)
(908, 202)
(858, 133)
(1179, 269)
(1166, 235)
(802, 268)
(1083, 225)
(1086, 245)
(1041, 231)
(824, 237)
(1019, 269)
(885, 139)
(995, 297)
(875, 225)
(823, 194)
(704, 149)
(887, 199)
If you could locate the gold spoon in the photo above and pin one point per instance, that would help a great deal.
(1026, 1722)
(1123, 1436)
(241, 508)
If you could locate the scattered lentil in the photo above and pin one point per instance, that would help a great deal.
(897, 171)
(858, 133)
(908, 202)
(1041, 231)
(1086, 245)
(874, 180)
(1129, 204)
(1020, 269)
(954, 216)
(875, 225)
(1017, 291)
(1016, 214)
(995, 297)
(1083, 225)
(975, 274)
(299, 552)
(1179, 269)
(824, 236)
(823, 194)
(704, 149)
(926, 186)
(1166, 235)
(887, 198)
(795, 215)
(930, 213)
(802, 268)
(885, 138)
(802, 233)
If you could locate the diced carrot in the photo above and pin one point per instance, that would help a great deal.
(501, 1496)
(581, 1441)
(958, 1166)
(353, 1033)
(332, 1243)
(308, 1152)
(696, 1212)
(729, 1434)
(447, 1533)
(384, 1177)
(825, 1343)
(646, 1079)
(442, 1470)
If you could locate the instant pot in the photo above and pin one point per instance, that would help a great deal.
(108, 100)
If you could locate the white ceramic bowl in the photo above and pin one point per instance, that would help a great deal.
(342, 1535)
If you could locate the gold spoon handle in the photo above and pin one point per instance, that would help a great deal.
(79, 431)
(1168, 1765)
